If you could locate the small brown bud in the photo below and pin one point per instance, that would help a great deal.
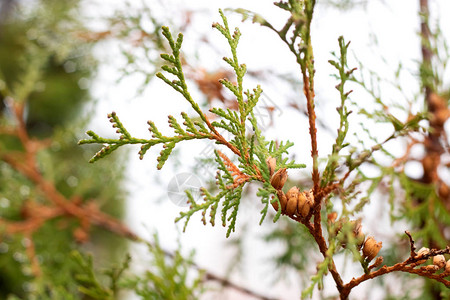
(371, 248)
(447, 266)
(271, 164)
(80, 235)
(439, 261)
(292, 195)
(332, 217)
(279, 179)
(423, 251)
(377, 262)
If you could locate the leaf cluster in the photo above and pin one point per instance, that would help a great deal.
(251, 148)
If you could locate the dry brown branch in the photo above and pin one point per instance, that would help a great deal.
(239, 177)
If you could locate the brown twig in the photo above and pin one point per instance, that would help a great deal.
(226, 282)
(408, 266)
(411, 243)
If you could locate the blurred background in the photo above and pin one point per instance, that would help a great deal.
(65, 65)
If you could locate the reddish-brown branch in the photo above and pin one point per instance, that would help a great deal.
(309, 93)
(238, 177)
(408, 266)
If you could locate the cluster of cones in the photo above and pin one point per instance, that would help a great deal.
(294, 202)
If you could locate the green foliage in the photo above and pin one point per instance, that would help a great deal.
(89, 285)
(44, 73)
(139, 28)
(251, 149)
(169, 278)
(343, 75)
(297, 244)
(342, 190)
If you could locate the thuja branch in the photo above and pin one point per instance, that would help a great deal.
(302, 206)
(251, 150)
(193, 129)
(410, 265)
(37, 215)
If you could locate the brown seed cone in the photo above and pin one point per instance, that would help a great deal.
(422, 251)
(279, 179)
(371, 248)
(283, 200)
(292, 195)
(358, 234)
(274, 203)
(304, 203)
(439, 261)
(271, 164)
(447, 266)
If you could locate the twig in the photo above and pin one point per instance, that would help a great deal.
(407, 266)
(411, 242)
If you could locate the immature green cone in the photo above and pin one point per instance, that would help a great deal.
(357, 234)
(291, 206)
(371, 248)
(279, 179)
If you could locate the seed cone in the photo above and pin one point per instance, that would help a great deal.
(371, 248)
(292, 195)
(305, 201)
(358, 234)
(283, 200)
(423, 251)
(271, 164)
(279, 179)
(439, 261)
(447, 266)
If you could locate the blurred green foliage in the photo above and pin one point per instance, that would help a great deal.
(45, 65)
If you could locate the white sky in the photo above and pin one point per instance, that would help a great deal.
(395, 28)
